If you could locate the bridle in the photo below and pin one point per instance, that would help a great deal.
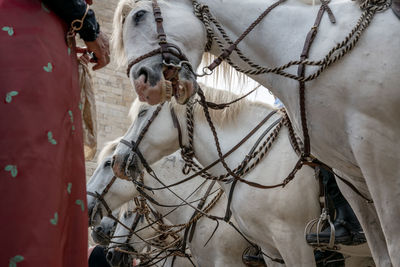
(100, 197)
(134, 146)
(142, 212)
(169, 52)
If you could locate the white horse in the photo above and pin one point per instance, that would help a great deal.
(149, 239)
(274, 219)
(224, 249)
(102, 233)
(352, 107)
(98, 182)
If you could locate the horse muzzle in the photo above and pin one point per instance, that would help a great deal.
(118, 258)
(159, 83)
(126, 166)
(100, 235)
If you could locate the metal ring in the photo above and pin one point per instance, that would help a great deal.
(205, 72)
(177, 66)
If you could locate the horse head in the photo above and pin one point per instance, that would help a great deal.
(151, 137)
(104, 191)
(102, 233)
(162, 42)
(134, 234)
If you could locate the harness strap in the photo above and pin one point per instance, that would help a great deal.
(228, 212)
(225, 105)
(226, 53)
(176, 125)
(200, 206)
(317, 163)
(301, 72)
(255, 129)
(100, 197)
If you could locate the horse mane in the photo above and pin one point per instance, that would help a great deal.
(128, 206)
(134, 110)
(225, 73)
(108, 149)
(117, 43)
(224, 116)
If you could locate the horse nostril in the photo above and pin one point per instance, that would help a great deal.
(145, 72)
(109, 256)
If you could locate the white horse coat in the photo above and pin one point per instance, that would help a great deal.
(274, 219)
(148, 235)
(224, 249)
(352, 108)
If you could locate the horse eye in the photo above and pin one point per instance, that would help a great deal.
(142, 113)
(107, 163)
(138, 16)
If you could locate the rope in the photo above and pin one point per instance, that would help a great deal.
(369, 7)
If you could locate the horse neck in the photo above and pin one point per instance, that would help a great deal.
(266, 45)
(229, 134)
(182, 214)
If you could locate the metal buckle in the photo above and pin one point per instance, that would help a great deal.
(177, 66)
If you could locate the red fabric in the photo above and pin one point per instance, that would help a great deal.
(42, 173)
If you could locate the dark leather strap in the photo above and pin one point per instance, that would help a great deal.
(251, 133)
(396, 7)
(228, 212)
(225, 105)
(226, 53)
(317, 163)
(100, 197)
(301, 72)
(200, 206)
(176, 125)
(166, 49)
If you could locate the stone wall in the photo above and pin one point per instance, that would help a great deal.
(113, 91)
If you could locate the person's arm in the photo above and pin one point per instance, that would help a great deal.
(95, 40)
(69, 10)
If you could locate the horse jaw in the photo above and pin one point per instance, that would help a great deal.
(95, 214)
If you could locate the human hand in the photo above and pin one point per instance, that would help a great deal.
(101, 51)
(85, 57)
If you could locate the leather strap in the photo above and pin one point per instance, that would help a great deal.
(176, 125)
(251, 133)
(226, 53)
(200, 206)
(228, 212)
(396, 7)
(301, 72)
(100, 197)
(166, 49)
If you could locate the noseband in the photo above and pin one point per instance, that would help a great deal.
(167, 51)
(100, 197)
(135, 148)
